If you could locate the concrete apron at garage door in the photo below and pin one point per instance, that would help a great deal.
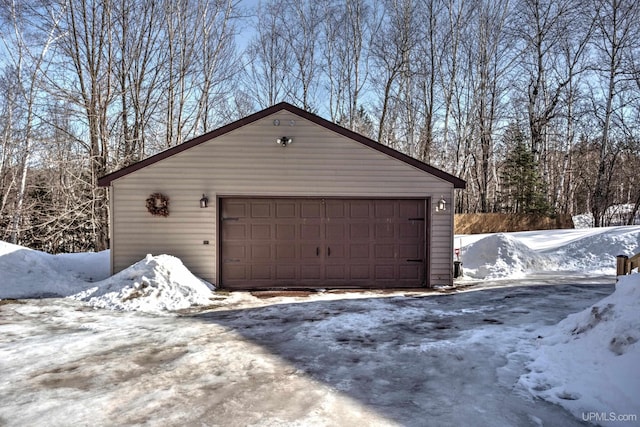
(317, 242)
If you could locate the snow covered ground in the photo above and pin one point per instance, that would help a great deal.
(535, 334)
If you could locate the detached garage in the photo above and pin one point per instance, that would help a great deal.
(286, 199)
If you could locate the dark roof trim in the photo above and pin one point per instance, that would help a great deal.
(106, 180)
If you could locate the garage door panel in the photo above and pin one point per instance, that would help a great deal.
(384, 209)
(409, 272)
(235, 231)
(359, 251)
(286, 210)
(259, 252)
(309, 251)
(260, 232)
(335, 232)
(336, 253)
(409, 209)
(285, 252)
(285, 232)
(336, 272)
(286, 272)
(310, 231)
(235, 272)
(310, 273)
(310, 209)
(410, 251)
(261, 272)
(384, 272)
(268, 243)
(360, 272)
(385, 231)
(335, 209)
(411, 230)
(234, 210)
(384, 252)
(235, 251)
(359, 231)
(359, 209)
(261, 209)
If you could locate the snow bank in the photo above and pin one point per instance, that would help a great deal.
(514, 255)
(614, 215)
(27, 273)
(583, 220)
(155, 284)
(588, 363)
(597, 253)
(500, 256)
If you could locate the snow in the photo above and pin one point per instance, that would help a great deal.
(534, 334)
(31, 274)
(155, 284)
(590, 359)
(614, 215)
(501, 255)
(516, 255)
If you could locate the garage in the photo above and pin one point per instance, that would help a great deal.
(283, 198)
(314, 242)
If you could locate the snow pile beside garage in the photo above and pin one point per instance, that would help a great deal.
(28, 273)
(588, 363)
(501, 255)
(155, 284)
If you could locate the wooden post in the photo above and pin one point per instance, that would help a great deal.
(621, 265)
(633, 262)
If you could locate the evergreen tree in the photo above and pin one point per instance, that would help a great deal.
(522, 188)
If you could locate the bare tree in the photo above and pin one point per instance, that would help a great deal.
(428, 63)
(137, 71)
(181, 56)
(394, 42)
(454, 76)
(493, 61)
(217, 64)
(268, 78)
(86, 43)
(8, 144)
(574, 53)
(27, 52)
(617, 35)
(347, 37)
(554, 37)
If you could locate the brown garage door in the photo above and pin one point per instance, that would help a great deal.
(307, 243)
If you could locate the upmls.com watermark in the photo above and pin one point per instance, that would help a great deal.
(608, 417)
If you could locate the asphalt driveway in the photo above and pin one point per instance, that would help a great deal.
(350, 359)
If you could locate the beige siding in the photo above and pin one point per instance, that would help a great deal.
(248, 162)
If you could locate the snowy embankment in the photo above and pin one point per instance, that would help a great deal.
(589, 361)
(26, 273)
(154, 284)
(517, 255)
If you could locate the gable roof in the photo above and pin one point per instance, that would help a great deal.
(107, 179)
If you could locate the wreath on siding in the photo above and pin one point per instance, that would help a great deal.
(158, 204)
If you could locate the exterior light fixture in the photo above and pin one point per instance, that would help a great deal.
(284, 141)
(441, 205)
(204, 202)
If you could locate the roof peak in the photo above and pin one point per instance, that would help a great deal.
(107, 179)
